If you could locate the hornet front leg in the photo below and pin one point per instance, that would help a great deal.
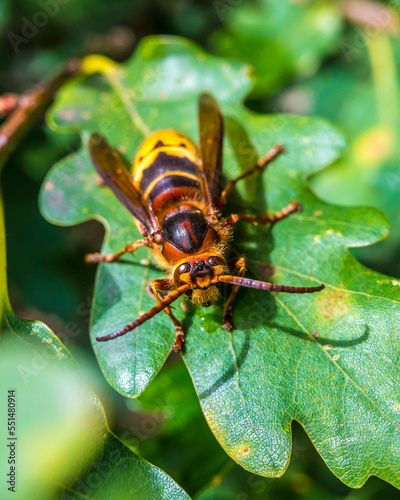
(162, 285)
(238, 265)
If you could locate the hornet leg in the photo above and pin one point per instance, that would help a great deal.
(262, 162)
(112, 257)
(162, 284)
(294, 206)
(238, 264)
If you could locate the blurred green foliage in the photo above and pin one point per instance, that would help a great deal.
(309, 58)
(281, 40)
(243, 377)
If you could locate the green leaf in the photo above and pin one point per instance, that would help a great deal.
(328, 360)
(117, 472)
(367, 110)
(171, 409)
(61, 417)
(279, 39)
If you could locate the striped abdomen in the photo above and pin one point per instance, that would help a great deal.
(167, 169)
(167, 173)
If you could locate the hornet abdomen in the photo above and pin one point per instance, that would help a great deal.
(167, 173)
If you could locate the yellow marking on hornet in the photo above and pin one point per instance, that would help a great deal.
(181, 174)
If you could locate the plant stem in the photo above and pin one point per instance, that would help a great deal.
(384, 78)
(30, 106)
(8, 102)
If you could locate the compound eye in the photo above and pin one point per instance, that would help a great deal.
(215, 261)
(184, 268)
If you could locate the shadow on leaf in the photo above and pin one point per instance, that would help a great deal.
(323, 340)
(232, 370)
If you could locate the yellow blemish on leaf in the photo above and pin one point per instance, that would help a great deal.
(212, 422)
(336, 357)
(374, 146)
(310, 151)
(306, 140)
(329, 231)
(395, 283)
(398, 406)
(317, 237)
(86, 115)
(327, 347)
(49, 186)
(317, 213)
(85, 210)
(245, 450)
(333, 304)
(339, 234)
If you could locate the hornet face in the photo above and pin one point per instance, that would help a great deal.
(199, 271)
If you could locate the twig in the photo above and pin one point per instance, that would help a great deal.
(8, 102)
(29, 108)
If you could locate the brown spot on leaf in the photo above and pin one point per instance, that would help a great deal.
(333, 303)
